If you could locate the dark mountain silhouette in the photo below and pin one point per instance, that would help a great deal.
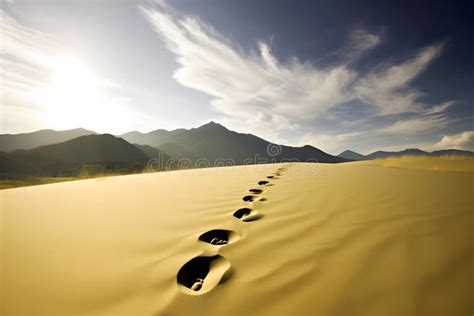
(157, 159)
(10, 142)
(213, 141)
(177, 151)
(151, 152)
(352, 155)
(90, 148)
(97, 152)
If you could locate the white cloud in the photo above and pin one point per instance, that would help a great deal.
(440, 107)
(260, 91)
(264, 125)
(387, 88)
(418, 124)
(362, 41)
(246, 84)
(464, 140)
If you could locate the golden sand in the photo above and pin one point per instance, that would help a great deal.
(358, 238)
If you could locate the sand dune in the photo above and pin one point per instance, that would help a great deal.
(363, 238)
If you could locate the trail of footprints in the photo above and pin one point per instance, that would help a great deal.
(201, 274)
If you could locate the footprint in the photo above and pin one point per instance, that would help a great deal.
(270, 177)
(248, 198)
(202, 274)
(255, 191)
(219, 237)
(247, 215)
(263, 182)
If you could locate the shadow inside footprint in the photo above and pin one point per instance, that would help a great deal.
(255, 191)
(247, 215)
(263, 182)
(248, 198)
(202, 274)
(270, 177)
(219, 237)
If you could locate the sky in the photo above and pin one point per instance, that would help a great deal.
(360, 75)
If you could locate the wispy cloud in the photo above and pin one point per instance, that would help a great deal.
(420, 124)
(388, 89)
(362, 41)
(254, 88)
(244, 84)
(25, 58)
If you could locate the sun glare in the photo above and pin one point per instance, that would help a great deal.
(76, 97)
(71, 75)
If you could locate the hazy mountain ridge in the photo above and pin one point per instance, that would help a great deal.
(11, 142)
(349, 154)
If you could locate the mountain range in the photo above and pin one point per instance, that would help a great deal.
(213, 141)
(352, 155)
(69, 153)
(91, 152)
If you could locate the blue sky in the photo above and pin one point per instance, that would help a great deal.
(361, 75)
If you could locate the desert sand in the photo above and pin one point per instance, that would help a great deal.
(361, 238)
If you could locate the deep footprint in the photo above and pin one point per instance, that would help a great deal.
(202, 274)
(219, 237)
(263, 182)
(248, 198)
(270, 177)
(255, 191)
(247, 215)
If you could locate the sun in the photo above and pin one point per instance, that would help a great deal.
(74, 96)
(71, 76)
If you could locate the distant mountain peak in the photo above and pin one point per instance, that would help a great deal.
(348, 151)
(212, 125)
(352, 155)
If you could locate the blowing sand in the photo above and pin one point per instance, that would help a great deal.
(363, 238)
